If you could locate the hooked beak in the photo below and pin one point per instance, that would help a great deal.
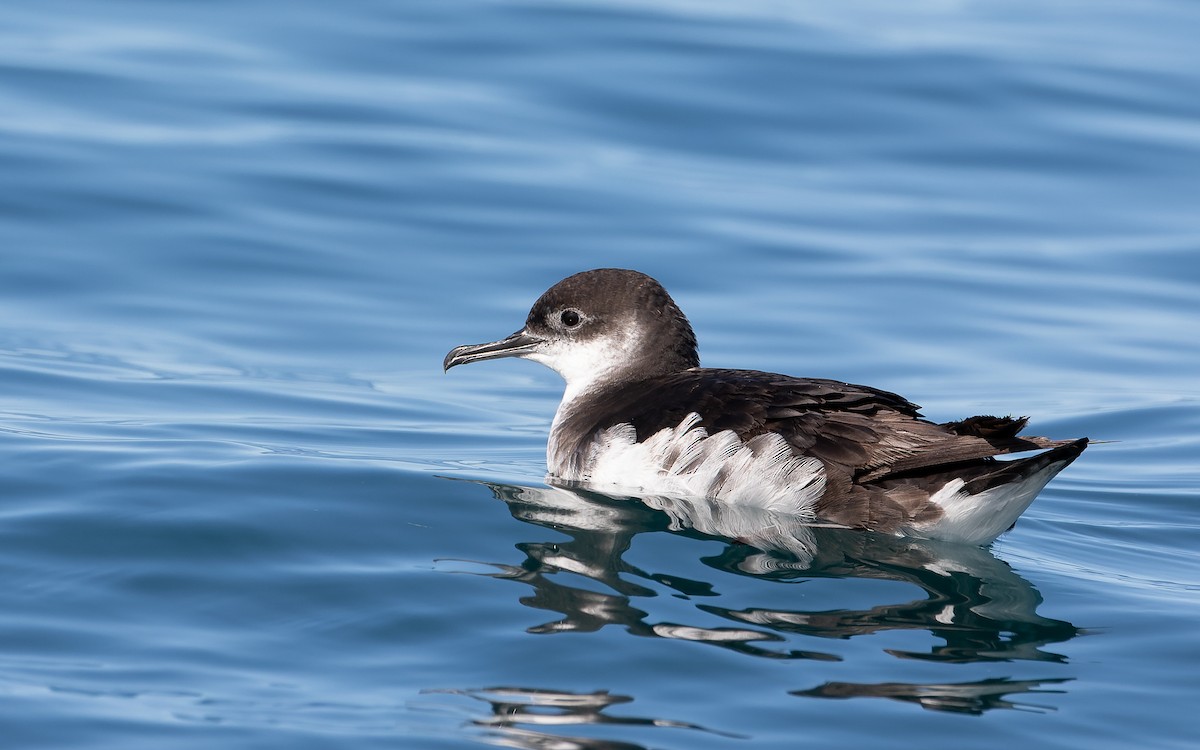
(517, 345)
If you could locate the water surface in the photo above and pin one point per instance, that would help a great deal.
(242, 506)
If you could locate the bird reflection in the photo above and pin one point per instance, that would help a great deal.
(601, 530)
(973, 602)
(518, 716)
(962, 698)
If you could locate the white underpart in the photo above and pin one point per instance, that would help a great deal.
(687, 461)
(980, 518)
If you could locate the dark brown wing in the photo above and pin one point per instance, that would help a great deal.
(862, 434)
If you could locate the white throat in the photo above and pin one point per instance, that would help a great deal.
(585, 364)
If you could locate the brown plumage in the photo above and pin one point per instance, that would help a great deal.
(883, 460)
(629, 357)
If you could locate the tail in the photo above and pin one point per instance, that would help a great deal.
(978, 509)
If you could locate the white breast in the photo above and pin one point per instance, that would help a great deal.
(687, 461)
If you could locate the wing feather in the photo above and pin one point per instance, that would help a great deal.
(862, 434)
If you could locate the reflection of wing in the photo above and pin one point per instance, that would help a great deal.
(975, 602)
(963, 698)
(519, 715)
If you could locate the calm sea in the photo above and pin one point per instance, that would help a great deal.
(242, 507)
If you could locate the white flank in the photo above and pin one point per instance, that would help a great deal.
(687, 461)
(980, 518)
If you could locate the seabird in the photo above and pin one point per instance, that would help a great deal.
(640, 416)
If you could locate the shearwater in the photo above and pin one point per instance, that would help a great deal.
(640, 416)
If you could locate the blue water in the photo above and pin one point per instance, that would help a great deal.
(242, 507)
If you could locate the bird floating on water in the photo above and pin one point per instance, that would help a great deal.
(641, 416)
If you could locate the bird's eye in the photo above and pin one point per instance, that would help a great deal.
(570, 318)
